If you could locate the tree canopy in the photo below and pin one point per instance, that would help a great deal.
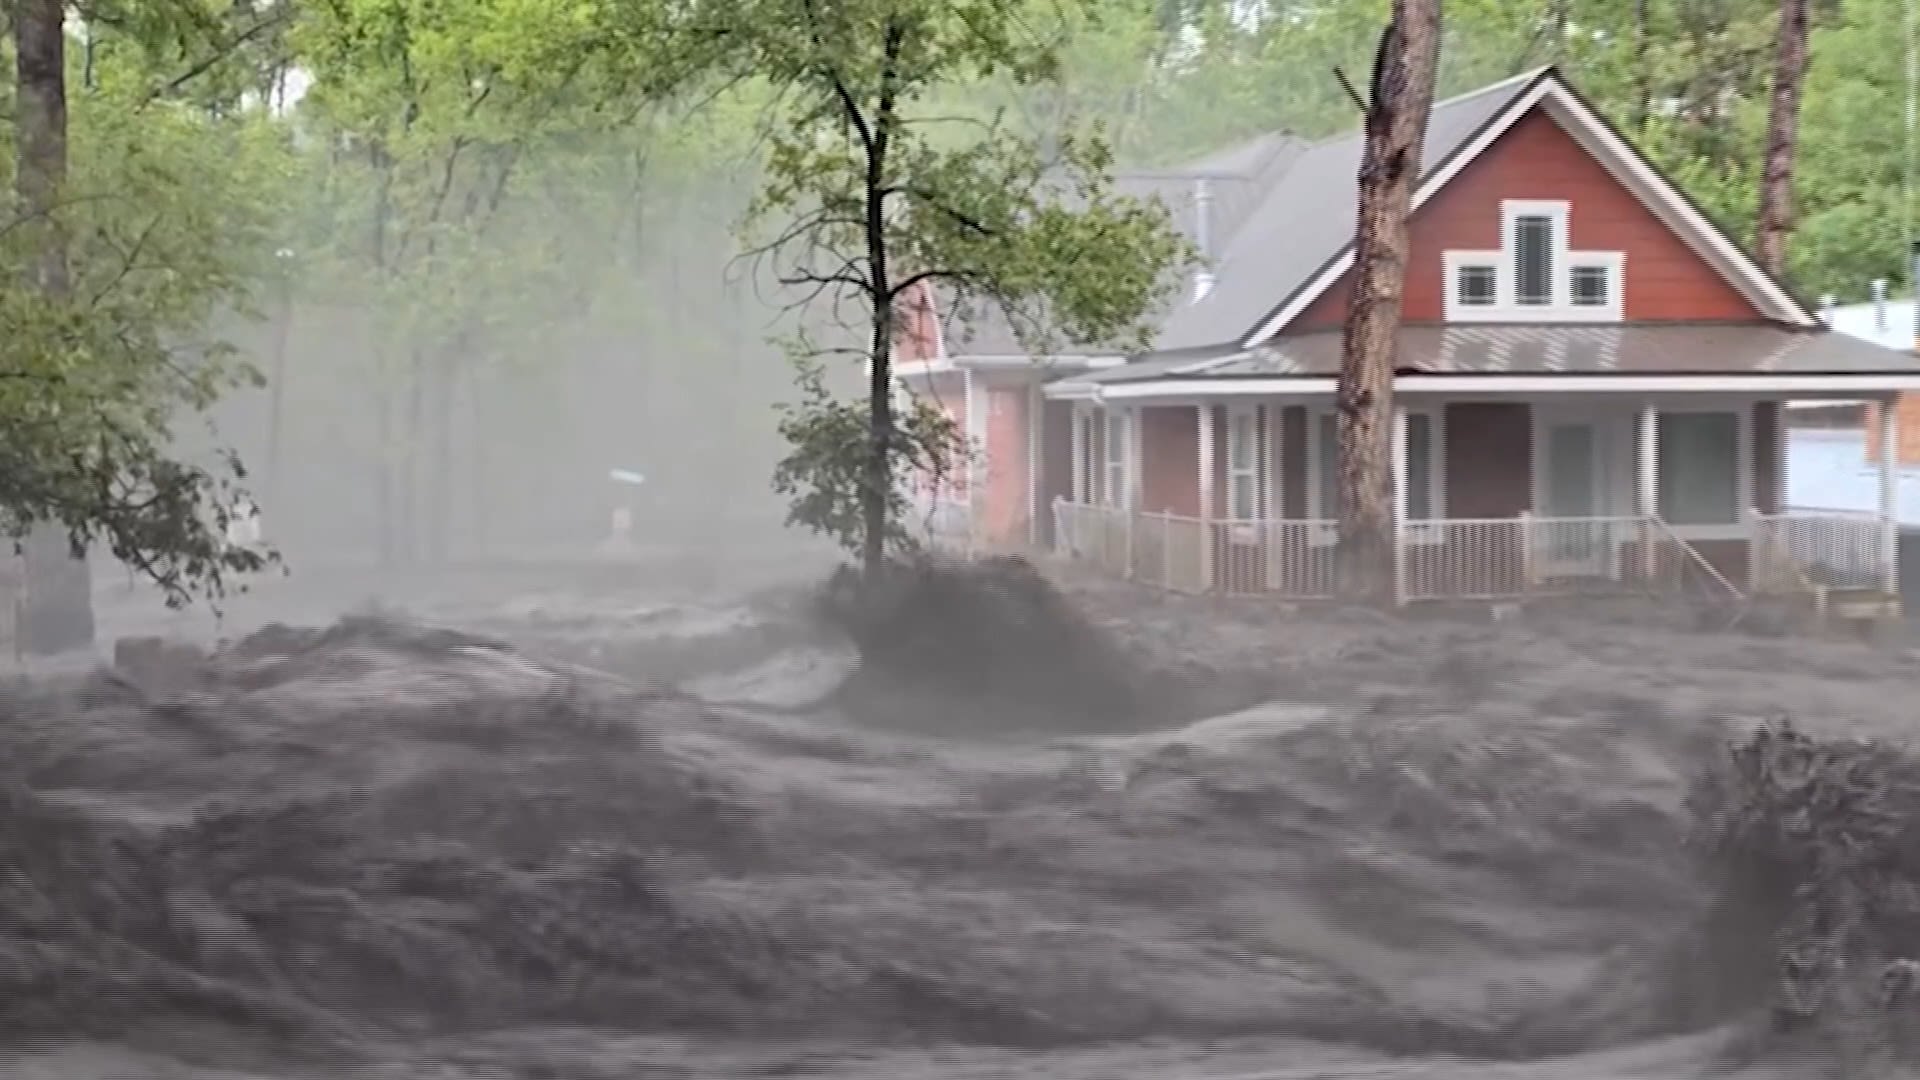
(158, 207)
(489, 187)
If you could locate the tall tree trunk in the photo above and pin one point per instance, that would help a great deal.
(1401, 99)
(413, 437)
(479, 544)
(1558, 17)
(276, 397)
(383, 474)
(383, 369)
(440, 510)
(57, 613)
(1642, 68)
(1783, 136)
(877, 479)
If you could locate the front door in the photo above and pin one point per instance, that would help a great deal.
(1574, 537)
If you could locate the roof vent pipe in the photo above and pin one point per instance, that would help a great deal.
(1202, 285)
(1202, 237)
(1827, 303)
(1880, 305)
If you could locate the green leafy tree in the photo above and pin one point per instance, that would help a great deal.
(869, 198)
(127, 229)
(471, 131)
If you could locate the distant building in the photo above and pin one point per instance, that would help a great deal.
(1889, 323)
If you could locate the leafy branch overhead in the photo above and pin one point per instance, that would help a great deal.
(869, 193)
(133, 224)
(872, 198)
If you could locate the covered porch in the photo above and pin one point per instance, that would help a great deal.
(1499, 493)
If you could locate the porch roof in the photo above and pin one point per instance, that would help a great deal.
(1672, 349)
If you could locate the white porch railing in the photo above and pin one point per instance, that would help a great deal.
(942, 523)
(1837, 549)
(1187, 554)
(1454, 559)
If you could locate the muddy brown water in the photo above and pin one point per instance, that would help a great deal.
(1437, 848)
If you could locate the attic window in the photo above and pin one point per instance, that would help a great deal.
(1535, 276)
(1591, 286)
(1475, 285)
(1533, 251)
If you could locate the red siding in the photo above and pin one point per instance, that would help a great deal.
(919, 334)
(1666, 281)
(947, 391)
(1004, 505)
(1170, 469)
(1906, 422)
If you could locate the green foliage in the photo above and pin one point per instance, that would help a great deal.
(168, 215)
(824, 477)
(1815, 837)
(870, 192)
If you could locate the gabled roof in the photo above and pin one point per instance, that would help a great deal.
(1237, 177)
(1299, 243)
(1284, 213)
(1307, 219)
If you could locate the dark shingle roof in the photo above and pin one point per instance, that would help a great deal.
(1281, 209)
(1667, 349)
(1308, 218)
(1238, 177)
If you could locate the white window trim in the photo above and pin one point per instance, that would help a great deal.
(1256, 471)
(1741, 525)
(1615, 264)
(1506, 308)
(1431, 530)
(1456, 261)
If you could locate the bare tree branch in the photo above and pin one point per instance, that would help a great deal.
(221, 52)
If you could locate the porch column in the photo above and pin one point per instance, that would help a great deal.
(1037, 504)
(1887, 419)
(1399, 459)
(1136, 460)
(1206, 466)
(1132, 502)
(1647, 464)
(1078, 441)
(1647, 485)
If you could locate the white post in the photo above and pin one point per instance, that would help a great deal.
(1647, 486)
(1166, 550)
(1079, 464)
(1206, 465)
(1889, 494)
(1131, 504)
(1036, 497)
(1399, 459)
(1780, 456)
(1268, 481)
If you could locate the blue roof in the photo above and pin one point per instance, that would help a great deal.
(1827, 469)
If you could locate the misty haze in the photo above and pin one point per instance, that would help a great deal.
(959, 539)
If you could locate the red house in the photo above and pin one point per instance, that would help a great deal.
(1589, 387)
